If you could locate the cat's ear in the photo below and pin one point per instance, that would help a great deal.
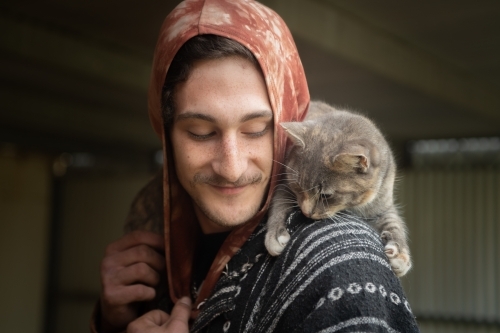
(345, 162)
(295, 132)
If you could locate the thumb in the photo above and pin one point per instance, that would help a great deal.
(148, 322)
(156, 317)
(179, 316)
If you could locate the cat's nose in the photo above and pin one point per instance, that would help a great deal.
(307, 207)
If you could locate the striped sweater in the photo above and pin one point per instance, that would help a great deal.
(333, 276)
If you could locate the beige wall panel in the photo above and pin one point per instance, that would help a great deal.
(24, 228)
(74, 317)
(94, 208)
(453, 219)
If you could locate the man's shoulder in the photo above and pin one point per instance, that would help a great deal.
(330, 271)
(333, 274)
(343, 237)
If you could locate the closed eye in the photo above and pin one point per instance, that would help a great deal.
(343, 192)
(326, 195)
(201, 137)
(258, 133)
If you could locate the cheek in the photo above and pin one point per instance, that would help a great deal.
(189, 158)
(261, 153)
(269, 151)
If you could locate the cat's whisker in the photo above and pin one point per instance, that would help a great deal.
(312, 188)
(286, 166)
(340, 220)
(350, 216)
(323, 203)
(295, 206)
(286, 173)
(286, 201)
(318, 193)
(283, 185)
(286, 190)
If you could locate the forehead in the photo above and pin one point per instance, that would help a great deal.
(225, 88)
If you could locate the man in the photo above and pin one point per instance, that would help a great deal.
(225, 74)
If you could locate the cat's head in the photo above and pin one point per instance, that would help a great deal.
(330, 170)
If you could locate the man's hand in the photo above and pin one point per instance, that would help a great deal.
(157, 321)
(129, 272)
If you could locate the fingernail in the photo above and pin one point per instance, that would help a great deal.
(185, 300)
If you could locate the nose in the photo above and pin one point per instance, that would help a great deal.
(230, 162)
(308, 206)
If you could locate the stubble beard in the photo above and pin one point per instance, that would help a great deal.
(219, 218)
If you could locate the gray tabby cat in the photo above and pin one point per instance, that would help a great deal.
(339, 162)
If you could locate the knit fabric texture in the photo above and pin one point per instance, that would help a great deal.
(333, 276)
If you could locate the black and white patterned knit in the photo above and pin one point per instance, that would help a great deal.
(332, 277)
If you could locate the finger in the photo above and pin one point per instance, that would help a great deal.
(136, 254)
(156, 317)
(149, 322)
(179, 317)
(128, 294)
(135, 238)
(137, 273)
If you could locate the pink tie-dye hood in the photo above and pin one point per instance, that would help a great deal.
(265, 34)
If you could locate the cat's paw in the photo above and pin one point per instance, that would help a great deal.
(399, 258)
(276, 242)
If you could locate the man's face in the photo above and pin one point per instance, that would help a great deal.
(222, 137)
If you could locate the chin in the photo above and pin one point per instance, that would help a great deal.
(226, 216)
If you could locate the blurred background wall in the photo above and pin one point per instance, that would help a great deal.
(76, 145)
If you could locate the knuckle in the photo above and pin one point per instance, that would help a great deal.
(105, 281)
(145, 252)
(109, 296)
(137, 235)
(142, 251)
(109, 249)
(144, 292)
(108, 270)
(142, 269)
(106, 263)
(133, 327)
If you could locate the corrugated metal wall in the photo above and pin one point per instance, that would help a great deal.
(453, 220)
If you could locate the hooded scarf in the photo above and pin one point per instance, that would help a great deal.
(265, 34)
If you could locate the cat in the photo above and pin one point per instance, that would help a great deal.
(339, 161)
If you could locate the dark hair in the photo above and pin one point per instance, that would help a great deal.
(200, 47)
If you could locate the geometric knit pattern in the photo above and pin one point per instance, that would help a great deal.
(333, 276)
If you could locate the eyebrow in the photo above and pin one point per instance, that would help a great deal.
(258, 114)
(195, 115)
(201, 116)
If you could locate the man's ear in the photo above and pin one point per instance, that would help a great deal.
(295, 132)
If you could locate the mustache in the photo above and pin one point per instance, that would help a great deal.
(217, 180)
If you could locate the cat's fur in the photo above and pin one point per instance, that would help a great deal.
(339, 162)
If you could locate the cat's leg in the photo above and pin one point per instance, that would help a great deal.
(393, 233)
(277, 236)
